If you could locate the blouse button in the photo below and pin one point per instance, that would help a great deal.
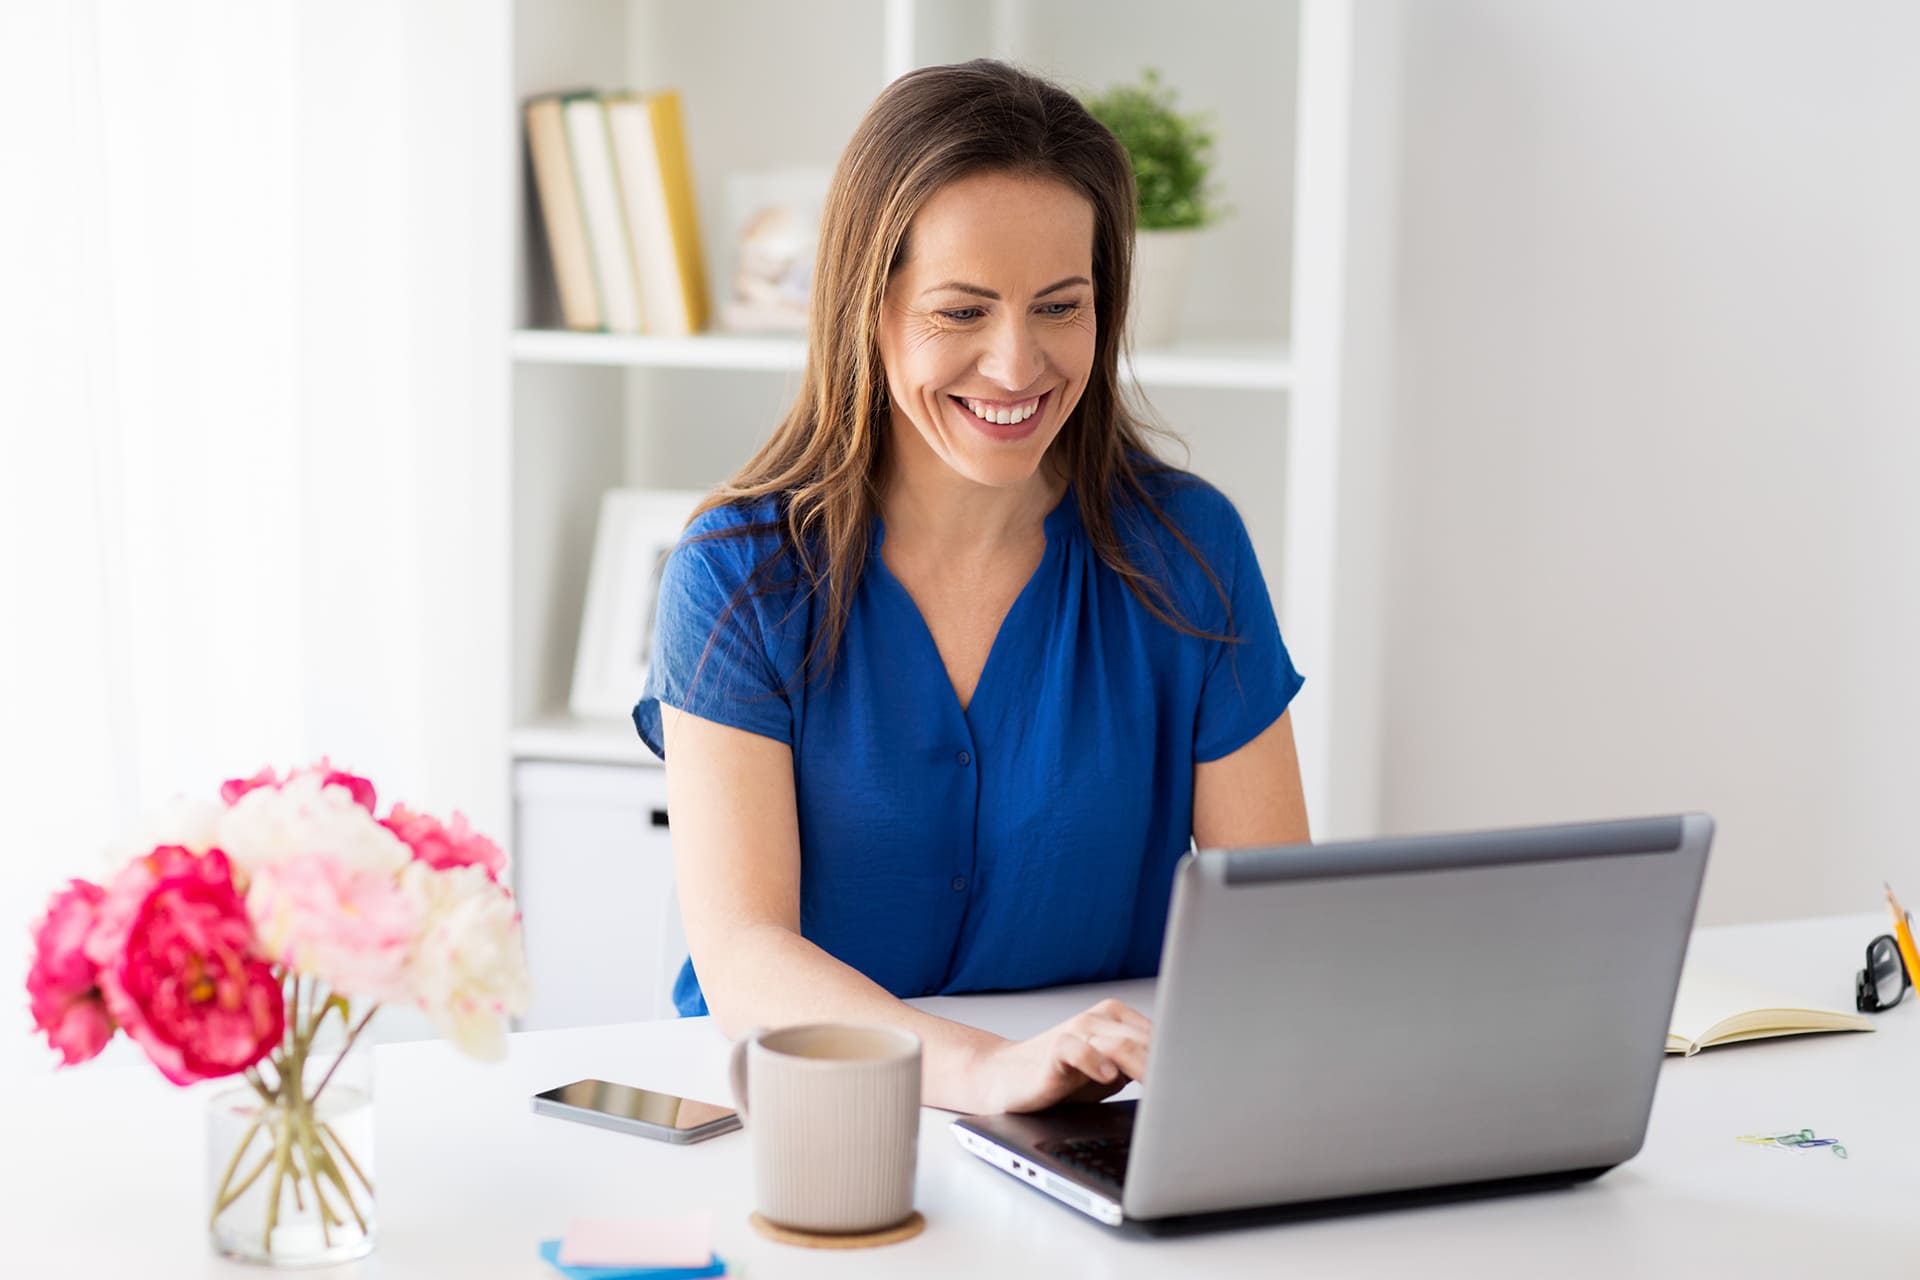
(963, 758)
(959, 884)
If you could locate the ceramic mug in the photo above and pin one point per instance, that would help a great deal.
(833, 1113)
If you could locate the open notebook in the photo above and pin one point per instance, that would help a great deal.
(1714, 1008)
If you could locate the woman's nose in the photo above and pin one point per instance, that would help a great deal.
(1013, 357)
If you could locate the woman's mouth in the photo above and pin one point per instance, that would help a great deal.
(1004, 419)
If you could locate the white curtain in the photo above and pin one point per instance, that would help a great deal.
(212, 498)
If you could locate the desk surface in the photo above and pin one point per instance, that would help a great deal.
(100, 1172)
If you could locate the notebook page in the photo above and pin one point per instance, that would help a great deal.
(1708, 997)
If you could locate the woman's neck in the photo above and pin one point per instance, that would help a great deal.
(933, 510)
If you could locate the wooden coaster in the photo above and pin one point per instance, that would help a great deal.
(907, 1230)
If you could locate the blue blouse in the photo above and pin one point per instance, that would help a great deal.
(1030, 839)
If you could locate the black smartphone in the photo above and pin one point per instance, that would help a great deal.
(665, 1117)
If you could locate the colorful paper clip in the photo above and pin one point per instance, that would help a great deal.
(1803, 1140)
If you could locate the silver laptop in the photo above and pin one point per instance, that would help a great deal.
(1377, 1021)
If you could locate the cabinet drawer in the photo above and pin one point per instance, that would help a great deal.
(593, 869)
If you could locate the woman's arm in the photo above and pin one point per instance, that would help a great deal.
(1253, 796)
(736, 857)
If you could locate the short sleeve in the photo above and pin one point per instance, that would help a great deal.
(710, 656)
(1250, 682)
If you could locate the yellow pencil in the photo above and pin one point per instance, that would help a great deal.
(1903, 934)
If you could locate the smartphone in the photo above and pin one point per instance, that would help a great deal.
(625, 1109)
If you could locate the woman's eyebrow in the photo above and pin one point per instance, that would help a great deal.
(980, 291)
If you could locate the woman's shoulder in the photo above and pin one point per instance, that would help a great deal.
(1187, 534)
(733, 538)
(1189, 503)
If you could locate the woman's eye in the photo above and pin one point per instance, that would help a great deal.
(1060, 310)
(963, 314)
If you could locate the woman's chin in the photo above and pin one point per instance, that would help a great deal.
(1000, 466)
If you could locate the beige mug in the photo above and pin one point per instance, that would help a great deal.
(833, 1113)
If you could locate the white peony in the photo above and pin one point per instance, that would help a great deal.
(468, 970)
(269, 825)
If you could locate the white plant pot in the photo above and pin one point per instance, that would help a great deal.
(1160, 268)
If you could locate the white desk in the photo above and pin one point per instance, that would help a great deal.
(102, 1169)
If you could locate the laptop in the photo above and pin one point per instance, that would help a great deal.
(1366, 1023)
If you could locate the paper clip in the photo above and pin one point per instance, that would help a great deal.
(1802, 1140)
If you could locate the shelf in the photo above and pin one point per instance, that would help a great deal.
(1222, 366)
(572, 739)
(701, 351)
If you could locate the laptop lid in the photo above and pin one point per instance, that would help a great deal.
(1366, 1016)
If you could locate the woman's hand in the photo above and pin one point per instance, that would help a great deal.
(1088, 1057)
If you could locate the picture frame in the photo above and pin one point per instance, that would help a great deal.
(637, 529)
(773, 227)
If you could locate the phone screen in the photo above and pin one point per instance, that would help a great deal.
(624, 1102)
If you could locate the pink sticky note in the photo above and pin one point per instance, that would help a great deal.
(658, 1242)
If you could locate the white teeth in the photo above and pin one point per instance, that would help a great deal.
(1003, 416)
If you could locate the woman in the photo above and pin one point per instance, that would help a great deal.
(948, 677)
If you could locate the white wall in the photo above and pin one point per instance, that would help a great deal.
(1655, 536)
(248, 497)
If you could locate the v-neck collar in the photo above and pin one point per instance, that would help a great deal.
(1064, 516)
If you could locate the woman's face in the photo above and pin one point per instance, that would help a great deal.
(987, 327)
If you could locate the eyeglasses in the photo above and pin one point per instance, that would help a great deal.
(1885, 981)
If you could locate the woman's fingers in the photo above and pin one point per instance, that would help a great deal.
(1112, 1044)
(1076, 1051)
(1129, 1053)
(1118, 1012)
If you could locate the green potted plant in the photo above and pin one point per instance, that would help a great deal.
(1173, 163)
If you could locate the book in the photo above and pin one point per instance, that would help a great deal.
(591, 148)
(650, 152)
(560, 211)
(1716, 1008)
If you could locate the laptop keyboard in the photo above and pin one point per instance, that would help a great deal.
(1104, 1158)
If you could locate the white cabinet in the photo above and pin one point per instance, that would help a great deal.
(1254, 387)
(593, 870)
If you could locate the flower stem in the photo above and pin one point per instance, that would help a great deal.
(227, 1198)
(282, 1153)
(322, 1163)
(352, 1036)
(326, 1131)
(327, 1218)
(259, 1083)
(226, 1179)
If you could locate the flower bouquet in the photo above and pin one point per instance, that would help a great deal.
(254, 937)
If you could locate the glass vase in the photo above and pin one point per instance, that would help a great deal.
(290, 1161)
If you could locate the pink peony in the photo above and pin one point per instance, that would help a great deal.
(63, 986)
(350, 927)
(206, 1006)
(106, 942)
(359, 788)
(444, 847)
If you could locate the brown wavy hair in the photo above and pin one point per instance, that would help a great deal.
(823, 464)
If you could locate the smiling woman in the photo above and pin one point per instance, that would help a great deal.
(955, 670)
(987, 367)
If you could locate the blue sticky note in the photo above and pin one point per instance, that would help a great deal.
(550, 1254)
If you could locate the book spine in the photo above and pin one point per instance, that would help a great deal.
(649, 236)
(560, 212)
(606, 218)
(670, 144)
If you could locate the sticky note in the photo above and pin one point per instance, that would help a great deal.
(550, 1253)
(656, 1242)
